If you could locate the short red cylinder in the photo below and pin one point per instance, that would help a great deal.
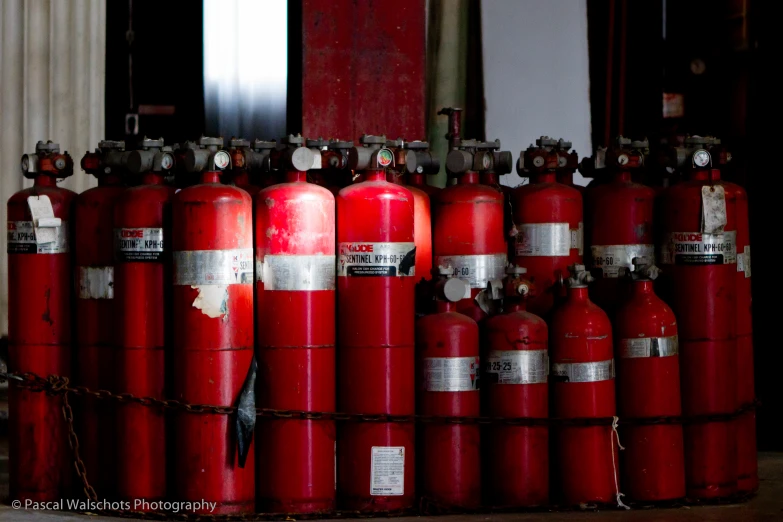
(375, 299)
(582, 375)
(699, 281)
(295, 316)
(469, 237)
(448, 369)
(514, 384)
(40, 301)
(95, 333)
(548, 218)
(213, 340)
(648, 385)
(142, 295)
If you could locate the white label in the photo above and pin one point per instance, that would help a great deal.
(578, 238)
(713, 204)
(96, 282)
(517, 366)
(543, 239)
(583, 372)
(477, 270)
(743, 261)
(138, 244)
(387, 473)
(450, 374)
(22, 239)
(615, 260)
(45, 223)
(376, 259)
(697, 248)
(301, 273)
(213, 267)
(649, 347)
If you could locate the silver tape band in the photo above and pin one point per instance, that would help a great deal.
(649, 347)
(583, 372)
(96, 282)
(296, 273)
(476, 270)
(213, 267)
(517, 366)
(545, 239)
(450, 374)
(614, 260)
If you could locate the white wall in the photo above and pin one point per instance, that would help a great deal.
(536, 76)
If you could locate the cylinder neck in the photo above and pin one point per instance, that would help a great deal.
(469, 178)
(566, 178)
(704, 175)
(545, 177)
(442, 306)
(490, 178)
(622, 175)
(416, 179)
(109, 180)
(293, 176)
(241, 178)
(643, 286)
(152, 178)
(578, 293)
(514, 305)
(396, 178)
(211, 176)
(374, 175)
(44, 180)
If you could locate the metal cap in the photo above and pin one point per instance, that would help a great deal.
(47, 147)
(302, 159)
(316, 143)
(417, 145)
(644, 269)
(340, 145)
(264, 145)
(579, 276)
(564, 145)
(369, 139)
(111, 145)
(238, 143)
(546, 141)
(147, 143)
(206, 141)
(454, 289)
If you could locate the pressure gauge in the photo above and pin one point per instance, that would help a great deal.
(538, 161)
(222, 160)
(562, 161)
(59, 163)
(385, 158)
(622, 159)
(701, 158)
(25, 163)
(486, 162)
(166, 162)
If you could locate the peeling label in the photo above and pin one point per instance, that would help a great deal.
(22, 239)
(578, 238)
(387, 471)
(649, 347)
(543, 239)
(450, 374)
(213, 267)
(297, 272)
(517, 366)
(743, 261)
(583, 372)
(45, 223)
(696, 248)
(138, 244)
(477, 270)
(96, 282)
(212, 300)
(615, 260)
(376, 259)
(713, 204)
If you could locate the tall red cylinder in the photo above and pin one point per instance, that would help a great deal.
(582, 374)
(548, 219)
(648, 385)
(213, 336)
(514, 384)
(40, 301)
(448, 369)
(469, 237)
(698, 256)
(142, 294)
(295, 317)
(375, 299)
(96, 313)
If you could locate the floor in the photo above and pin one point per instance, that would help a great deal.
(767, 505)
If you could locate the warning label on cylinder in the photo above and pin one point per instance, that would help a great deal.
(743, 261)
(649, 347)
(376, 259)
(476, 270)
(213, 267)
(450, 374)
(697, 248)
(304, 273)
(517, 366)
(138, 244)
(583, 372)
(22, 239)
(615, 260)
(387, 473)
(545, 239)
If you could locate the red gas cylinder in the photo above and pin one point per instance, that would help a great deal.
(747, 463)
(39, 325)
(448, 369)
(469, 226)
(375, 296)
(648, 385)
(142, 275)
(548, 218)
(514, 384)
(95, 311)
(567, 164)
(295, 317)
(245, 163)
(585, 457)
(427, 163)
(698, 251)
(619, 224)
(213, 331)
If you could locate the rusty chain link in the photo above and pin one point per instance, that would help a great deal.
(58, 385)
